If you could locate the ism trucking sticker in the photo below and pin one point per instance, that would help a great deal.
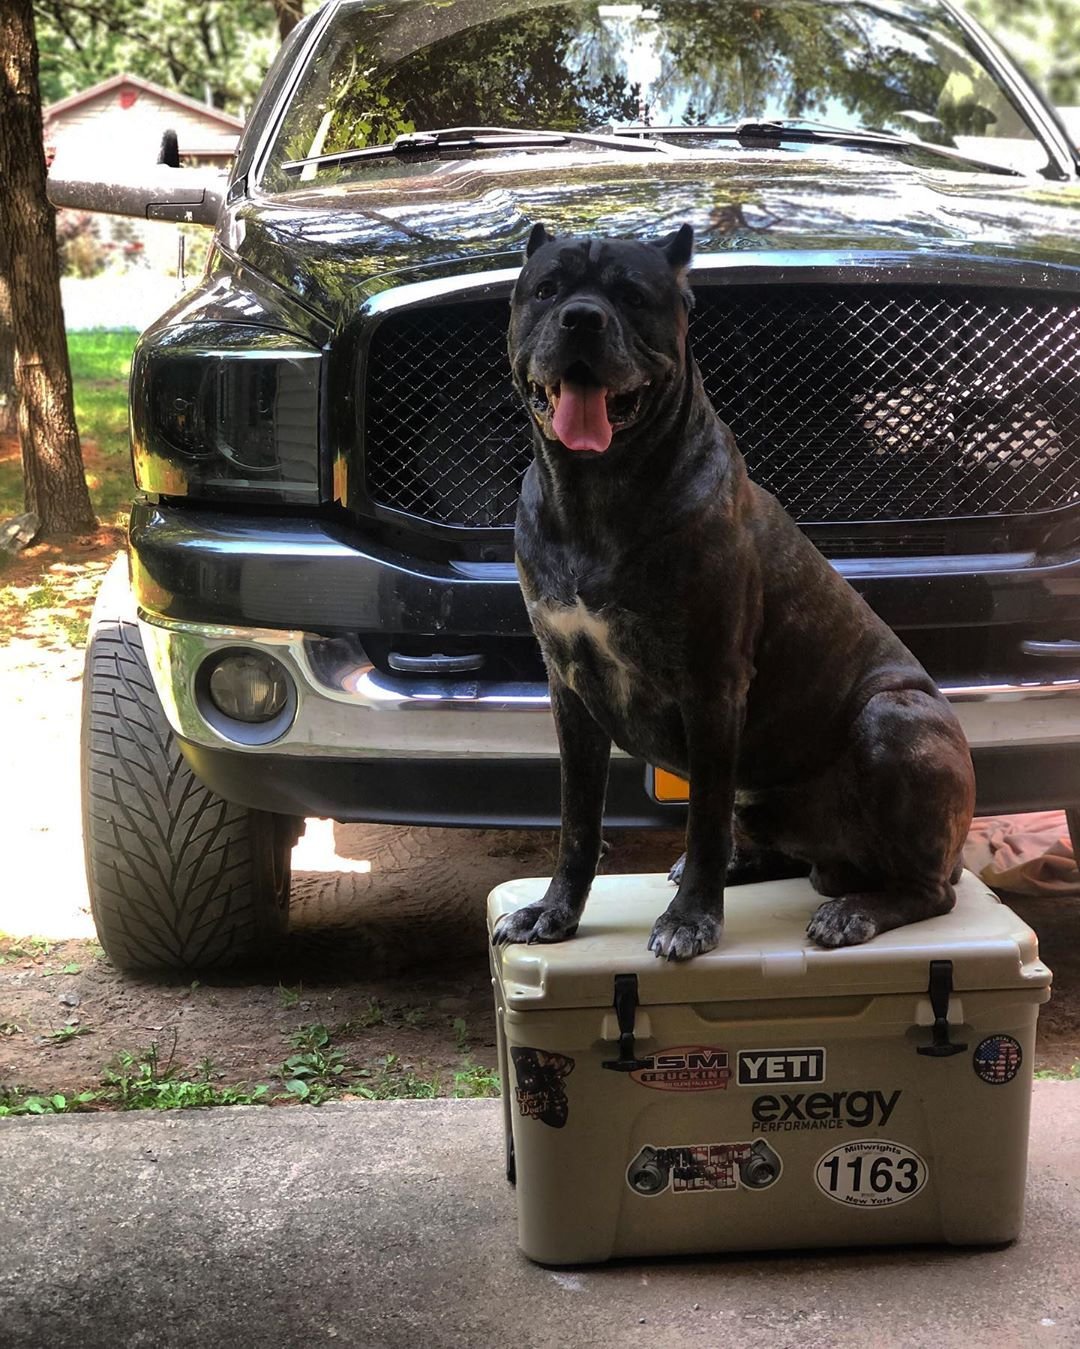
(871, 1173)
(685, 1068)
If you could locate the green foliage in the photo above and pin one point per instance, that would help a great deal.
(573, 67)
(389, 1080)
(103, 354)
(187, 45)
(100, 361)
(316, 1072)
(67, 1032)
(373, 1014)
(13, 1103)
(79, 244)
(474, 1080)
(1059, 1074)
(1043, 35)
(142, 1081)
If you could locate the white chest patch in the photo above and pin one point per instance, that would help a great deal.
(573, 621)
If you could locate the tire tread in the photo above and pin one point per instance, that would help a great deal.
(172, 867)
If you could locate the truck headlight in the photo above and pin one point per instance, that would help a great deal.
(223, 410)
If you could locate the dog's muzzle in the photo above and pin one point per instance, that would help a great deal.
(583, 413)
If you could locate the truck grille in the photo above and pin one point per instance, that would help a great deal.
(851, 403)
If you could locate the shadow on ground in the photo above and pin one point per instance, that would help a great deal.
(385, 899)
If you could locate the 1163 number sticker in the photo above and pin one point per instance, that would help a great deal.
(871, 1173)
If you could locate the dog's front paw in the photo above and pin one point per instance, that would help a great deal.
(677, 936)
(842, 922)
(535, 923)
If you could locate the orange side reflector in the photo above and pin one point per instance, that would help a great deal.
(668, 788)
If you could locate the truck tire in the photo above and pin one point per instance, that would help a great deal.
(179, 879)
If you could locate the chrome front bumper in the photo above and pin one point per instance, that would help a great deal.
(347, 709)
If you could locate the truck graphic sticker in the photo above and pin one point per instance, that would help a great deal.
(702, 1167)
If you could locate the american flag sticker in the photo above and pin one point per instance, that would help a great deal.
(997, 1059)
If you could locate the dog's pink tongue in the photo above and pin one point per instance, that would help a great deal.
(581, 420)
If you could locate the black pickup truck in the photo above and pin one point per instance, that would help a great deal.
(321, 616)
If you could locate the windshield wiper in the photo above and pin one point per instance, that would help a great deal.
(793, 130)
(446, 140)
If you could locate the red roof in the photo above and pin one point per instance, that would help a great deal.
(224, 121)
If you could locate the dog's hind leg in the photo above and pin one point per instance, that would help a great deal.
(855, 918)
(901, 797)
(750, 866)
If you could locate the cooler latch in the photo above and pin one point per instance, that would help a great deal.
(940, 990)
(625, 1003)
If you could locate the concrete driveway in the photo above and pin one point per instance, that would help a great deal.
(391, 1225)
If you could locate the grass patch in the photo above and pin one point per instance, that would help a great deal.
(46, 593)
(101, 354)
(25, 948)
(316, 1071)
(475, 1080)
(100, 362)
(390, 1080)
(1059, 1074)
(11, 1103)
(143, 1082)
(69, 1031)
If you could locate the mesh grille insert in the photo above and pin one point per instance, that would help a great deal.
(850, 403)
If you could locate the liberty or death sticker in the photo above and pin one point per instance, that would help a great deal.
(997, 1059)
(540, 1092)
(871, 1173)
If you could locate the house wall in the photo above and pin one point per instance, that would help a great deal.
(121, 127)
(127, 123)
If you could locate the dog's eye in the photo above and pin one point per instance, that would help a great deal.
(633, 297)
(546, 289)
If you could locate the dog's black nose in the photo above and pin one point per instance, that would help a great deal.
(586, 318)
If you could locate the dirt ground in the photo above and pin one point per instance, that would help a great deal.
(387, 949)
(392, 961)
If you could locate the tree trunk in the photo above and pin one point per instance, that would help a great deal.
(289, 13)
(53, 477)
(9, 402)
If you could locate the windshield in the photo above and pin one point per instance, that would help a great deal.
(383, 70)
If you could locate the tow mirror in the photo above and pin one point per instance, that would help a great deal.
(159, 191)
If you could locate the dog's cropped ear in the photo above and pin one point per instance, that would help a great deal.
(537, 239)
(678, 248)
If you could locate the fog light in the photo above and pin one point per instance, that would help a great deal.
(250, 687)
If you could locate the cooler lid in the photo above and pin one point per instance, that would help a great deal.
(764, 952)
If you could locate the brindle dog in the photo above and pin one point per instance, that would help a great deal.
(684, 616)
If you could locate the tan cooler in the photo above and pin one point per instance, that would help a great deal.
(770, 1094)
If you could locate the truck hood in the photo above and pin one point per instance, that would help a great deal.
(334, 247)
